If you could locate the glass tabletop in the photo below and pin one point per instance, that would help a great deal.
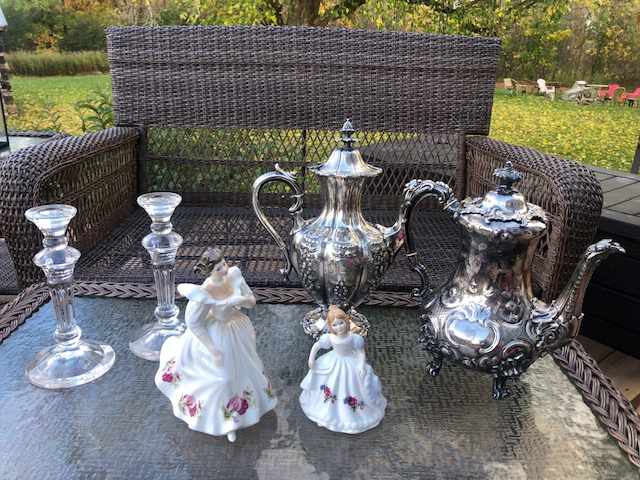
(121, 426)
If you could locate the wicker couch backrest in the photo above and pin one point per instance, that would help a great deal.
(301, 78)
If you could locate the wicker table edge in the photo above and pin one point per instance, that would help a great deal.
(607, 403)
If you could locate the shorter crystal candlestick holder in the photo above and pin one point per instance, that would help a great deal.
(162, 244)
(72, 360)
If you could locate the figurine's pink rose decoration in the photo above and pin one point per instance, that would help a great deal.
(244, 407)
(170, 375)
(353, 402)
(191, 405)
(329, 396)
(238, 405)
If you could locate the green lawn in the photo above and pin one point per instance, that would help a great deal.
(603, 135)
(45, 103)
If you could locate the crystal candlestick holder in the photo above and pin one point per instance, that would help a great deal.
(72, 360)
(162, 244)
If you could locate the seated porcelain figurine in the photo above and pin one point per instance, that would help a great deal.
(212, 373)
(341, 392)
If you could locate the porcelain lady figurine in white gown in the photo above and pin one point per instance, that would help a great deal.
(341, 392)
(212, 373)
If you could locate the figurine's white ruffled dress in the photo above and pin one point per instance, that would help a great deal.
(341, 392)
(212, 373)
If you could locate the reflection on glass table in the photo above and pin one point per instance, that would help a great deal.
(121, 426)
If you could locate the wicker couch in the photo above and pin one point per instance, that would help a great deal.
(204, 110)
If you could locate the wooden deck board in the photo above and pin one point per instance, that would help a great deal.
(621, 191)
(602, 176)
(599, 351)
(619, 195)
(624, 370)
(613, 183)
(631, 206)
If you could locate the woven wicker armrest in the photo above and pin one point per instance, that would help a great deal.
(568, 192)
(95, 172)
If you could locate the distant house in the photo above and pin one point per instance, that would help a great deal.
(5, 85)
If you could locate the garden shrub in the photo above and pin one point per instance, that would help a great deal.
(57, 63)
(95, 111)
(85, 31)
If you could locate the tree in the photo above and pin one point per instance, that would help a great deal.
(319, 13)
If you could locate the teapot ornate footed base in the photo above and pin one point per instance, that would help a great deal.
(314, 323)
(510, 367)
(500, 390)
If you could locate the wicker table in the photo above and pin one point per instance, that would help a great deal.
(449, 427)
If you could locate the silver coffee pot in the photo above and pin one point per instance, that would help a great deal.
(486, 317)
(340, 256)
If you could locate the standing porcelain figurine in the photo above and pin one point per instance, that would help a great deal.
(341, 392)
(212, 373)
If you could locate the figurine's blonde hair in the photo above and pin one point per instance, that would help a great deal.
(335, 311)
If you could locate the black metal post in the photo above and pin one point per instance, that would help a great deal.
(143, 143)
(635, 166)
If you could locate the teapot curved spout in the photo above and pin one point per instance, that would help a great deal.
(399, 233)
(560, 322)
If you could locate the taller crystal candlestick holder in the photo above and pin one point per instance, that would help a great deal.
(162, 244)
(72, 360)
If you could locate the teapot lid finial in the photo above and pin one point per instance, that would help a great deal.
(346, 160)
(347, 132)
(507, 176)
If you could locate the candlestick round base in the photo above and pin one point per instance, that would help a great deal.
(70, 364)
(148, 340)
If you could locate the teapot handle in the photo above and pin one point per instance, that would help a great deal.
(279, 175)
(414, 192)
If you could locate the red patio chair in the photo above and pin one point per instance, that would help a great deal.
(630, 98)
(609, 92)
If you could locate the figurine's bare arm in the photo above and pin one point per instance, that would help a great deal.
(323, 342)
(362, 357)
(240, 299)
(195, 315)
(243, 296)
(313, 353)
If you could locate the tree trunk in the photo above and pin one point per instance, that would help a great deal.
(302, 12)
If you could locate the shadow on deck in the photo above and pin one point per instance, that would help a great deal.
(612, 302)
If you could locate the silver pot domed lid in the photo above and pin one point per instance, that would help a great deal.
(346, 161)
(503, 212)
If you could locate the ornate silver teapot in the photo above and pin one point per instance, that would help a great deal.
(339, 256)
(486, 317)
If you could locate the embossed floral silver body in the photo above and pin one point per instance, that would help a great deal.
(486, 317)
(340, 256)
